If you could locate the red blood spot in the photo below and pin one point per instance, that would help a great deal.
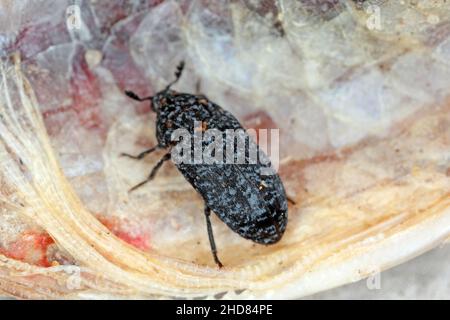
(140, 241)
(137, 239)
(31, 247)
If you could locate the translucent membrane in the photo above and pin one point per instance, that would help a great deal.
(364, 143)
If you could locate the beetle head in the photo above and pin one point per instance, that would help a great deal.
(159, 99)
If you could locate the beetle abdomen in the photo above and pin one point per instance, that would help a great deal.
(255, 208)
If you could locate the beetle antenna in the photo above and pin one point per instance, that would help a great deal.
(134, 96)
(178, 73)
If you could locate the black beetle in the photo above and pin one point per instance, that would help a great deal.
(252, 204)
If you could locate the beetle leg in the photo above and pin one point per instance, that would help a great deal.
(211, 237)
(153, 172)
(140, 155)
